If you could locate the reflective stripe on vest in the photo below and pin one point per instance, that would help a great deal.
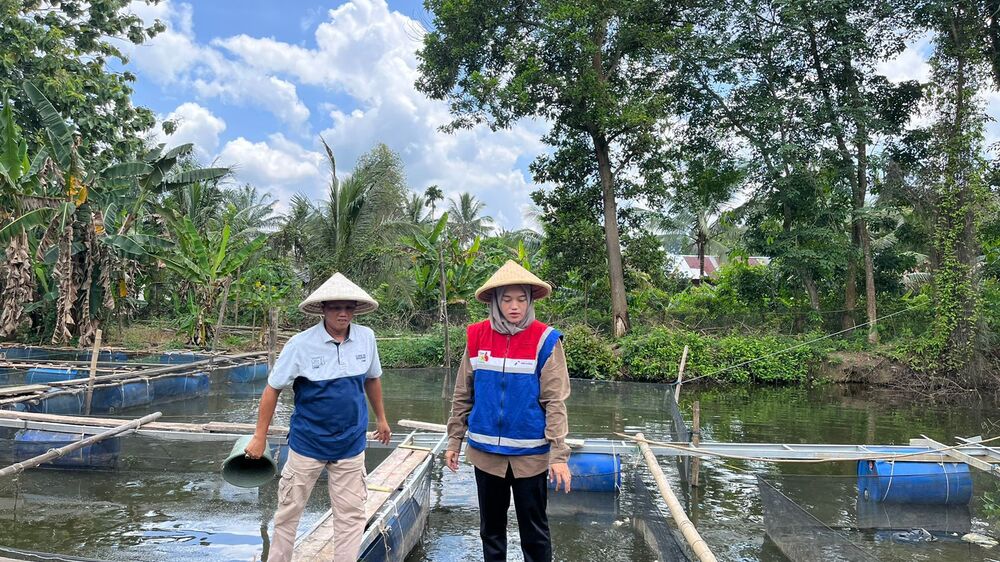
(505, 441)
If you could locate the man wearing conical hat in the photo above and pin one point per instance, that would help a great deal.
(330, 367)
(510, 402)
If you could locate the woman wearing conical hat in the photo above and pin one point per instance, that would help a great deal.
(510, 404)
(331, 368)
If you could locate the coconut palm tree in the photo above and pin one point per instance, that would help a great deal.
(467, 220)
(360, 221)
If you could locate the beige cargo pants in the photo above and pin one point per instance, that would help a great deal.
(348, 492)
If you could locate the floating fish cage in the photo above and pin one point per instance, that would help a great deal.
(393, 540)
(30, 443)
(900, 510)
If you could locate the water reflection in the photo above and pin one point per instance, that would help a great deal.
(167, 502)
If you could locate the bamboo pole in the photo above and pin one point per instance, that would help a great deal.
(93, 372)
(680, 376)
(272, 339)
(694, 540)
(53, 454)
(695, 440)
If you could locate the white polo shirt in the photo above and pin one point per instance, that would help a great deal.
(315, 355)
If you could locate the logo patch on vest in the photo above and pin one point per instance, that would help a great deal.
(318, 362)
(484, 355)
(361, 357)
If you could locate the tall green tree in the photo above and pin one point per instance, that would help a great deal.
(598, 70)
(66, 48)
(959, 68)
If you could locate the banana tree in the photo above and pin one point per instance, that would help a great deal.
(22, 211)
(71, 205)
(462, 271)
(204, 262)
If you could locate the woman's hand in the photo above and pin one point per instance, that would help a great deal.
(559, 473)
(451, 460)
(255, 448)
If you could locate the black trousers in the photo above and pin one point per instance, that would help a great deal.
(530, 501)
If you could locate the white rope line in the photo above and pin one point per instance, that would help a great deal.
(797, 346)
(892, 472)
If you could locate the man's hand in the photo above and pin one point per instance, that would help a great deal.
(383, 433)
(255, 448)
(559, 473)
(451, 460)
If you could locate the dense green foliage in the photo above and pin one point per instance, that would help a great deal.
(723, 131)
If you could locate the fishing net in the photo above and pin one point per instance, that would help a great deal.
(679, 433)
(799, 534)
(650, 519)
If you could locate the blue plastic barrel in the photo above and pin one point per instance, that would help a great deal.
(179, 357)
(248, 373)
(595, 472)
(177, 386)
(30, 443)
(43, 375)
(121, 396)
(23, 353)
(944, 483)
(68, 403)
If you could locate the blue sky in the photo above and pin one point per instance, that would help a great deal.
(254, 84)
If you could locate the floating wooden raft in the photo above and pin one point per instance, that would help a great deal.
(389, 476)
(212, 431)
(13, 394)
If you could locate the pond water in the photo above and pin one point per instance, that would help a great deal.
(167, 501)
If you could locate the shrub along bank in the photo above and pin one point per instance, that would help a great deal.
(649, 355)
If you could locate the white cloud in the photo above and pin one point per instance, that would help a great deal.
(174, 58)
(911, 64)
(195, 124)
(277, 165)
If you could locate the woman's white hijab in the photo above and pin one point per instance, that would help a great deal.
(499, 322)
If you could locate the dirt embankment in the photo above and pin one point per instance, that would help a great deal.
(861, 368)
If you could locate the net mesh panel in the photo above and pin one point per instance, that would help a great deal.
(801, 536)
(651, 521)
(679, 433)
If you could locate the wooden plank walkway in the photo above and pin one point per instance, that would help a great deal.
(388, 476)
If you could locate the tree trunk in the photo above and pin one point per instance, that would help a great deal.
(847, 320)
(866, 239)
(810, 284)
(619, 304)
(956, 293)
(701, 257)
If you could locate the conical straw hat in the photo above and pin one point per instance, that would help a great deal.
(513, 274)
(338, 288)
